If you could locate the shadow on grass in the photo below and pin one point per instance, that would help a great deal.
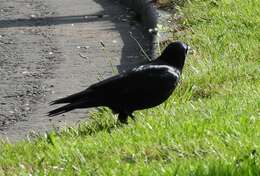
(101, 120)
(96, 123)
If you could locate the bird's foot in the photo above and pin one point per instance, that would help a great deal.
(122, 118)
(120, 123)
(132, 117)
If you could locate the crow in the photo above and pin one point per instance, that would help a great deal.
(142, 87)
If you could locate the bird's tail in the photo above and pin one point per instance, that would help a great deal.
(71, 98)
(69, 107)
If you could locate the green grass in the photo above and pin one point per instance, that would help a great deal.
(210, 125)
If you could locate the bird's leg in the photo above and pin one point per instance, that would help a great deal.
(122, 117)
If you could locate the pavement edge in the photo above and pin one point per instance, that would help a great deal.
(152, 20)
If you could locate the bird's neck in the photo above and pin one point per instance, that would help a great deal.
(176, 63)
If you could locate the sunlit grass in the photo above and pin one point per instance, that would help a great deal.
(210, 125)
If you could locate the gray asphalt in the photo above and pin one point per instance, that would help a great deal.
(50, 49)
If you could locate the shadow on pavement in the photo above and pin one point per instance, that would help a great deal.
(124, 24)
(130, 55)
(48, 21)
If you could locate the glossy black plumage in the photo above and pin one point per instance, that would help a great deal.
(143, 87)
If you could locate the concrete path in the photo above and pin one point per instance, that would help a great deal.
(50, 49)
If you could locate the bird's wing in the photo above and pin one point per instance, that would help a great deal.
(139, 79)
(144, 79)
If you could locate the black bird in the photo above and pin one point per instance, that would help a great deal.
(143, 87)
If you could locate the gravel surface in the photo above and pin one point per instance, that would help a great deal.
(50, 49)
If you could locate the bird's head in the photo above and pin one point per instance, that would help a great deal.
(174, 54)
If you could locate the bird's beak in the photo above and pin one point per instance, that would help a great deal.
(189, 50)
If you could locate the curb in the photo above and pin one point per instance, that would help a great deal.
(151, 18)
